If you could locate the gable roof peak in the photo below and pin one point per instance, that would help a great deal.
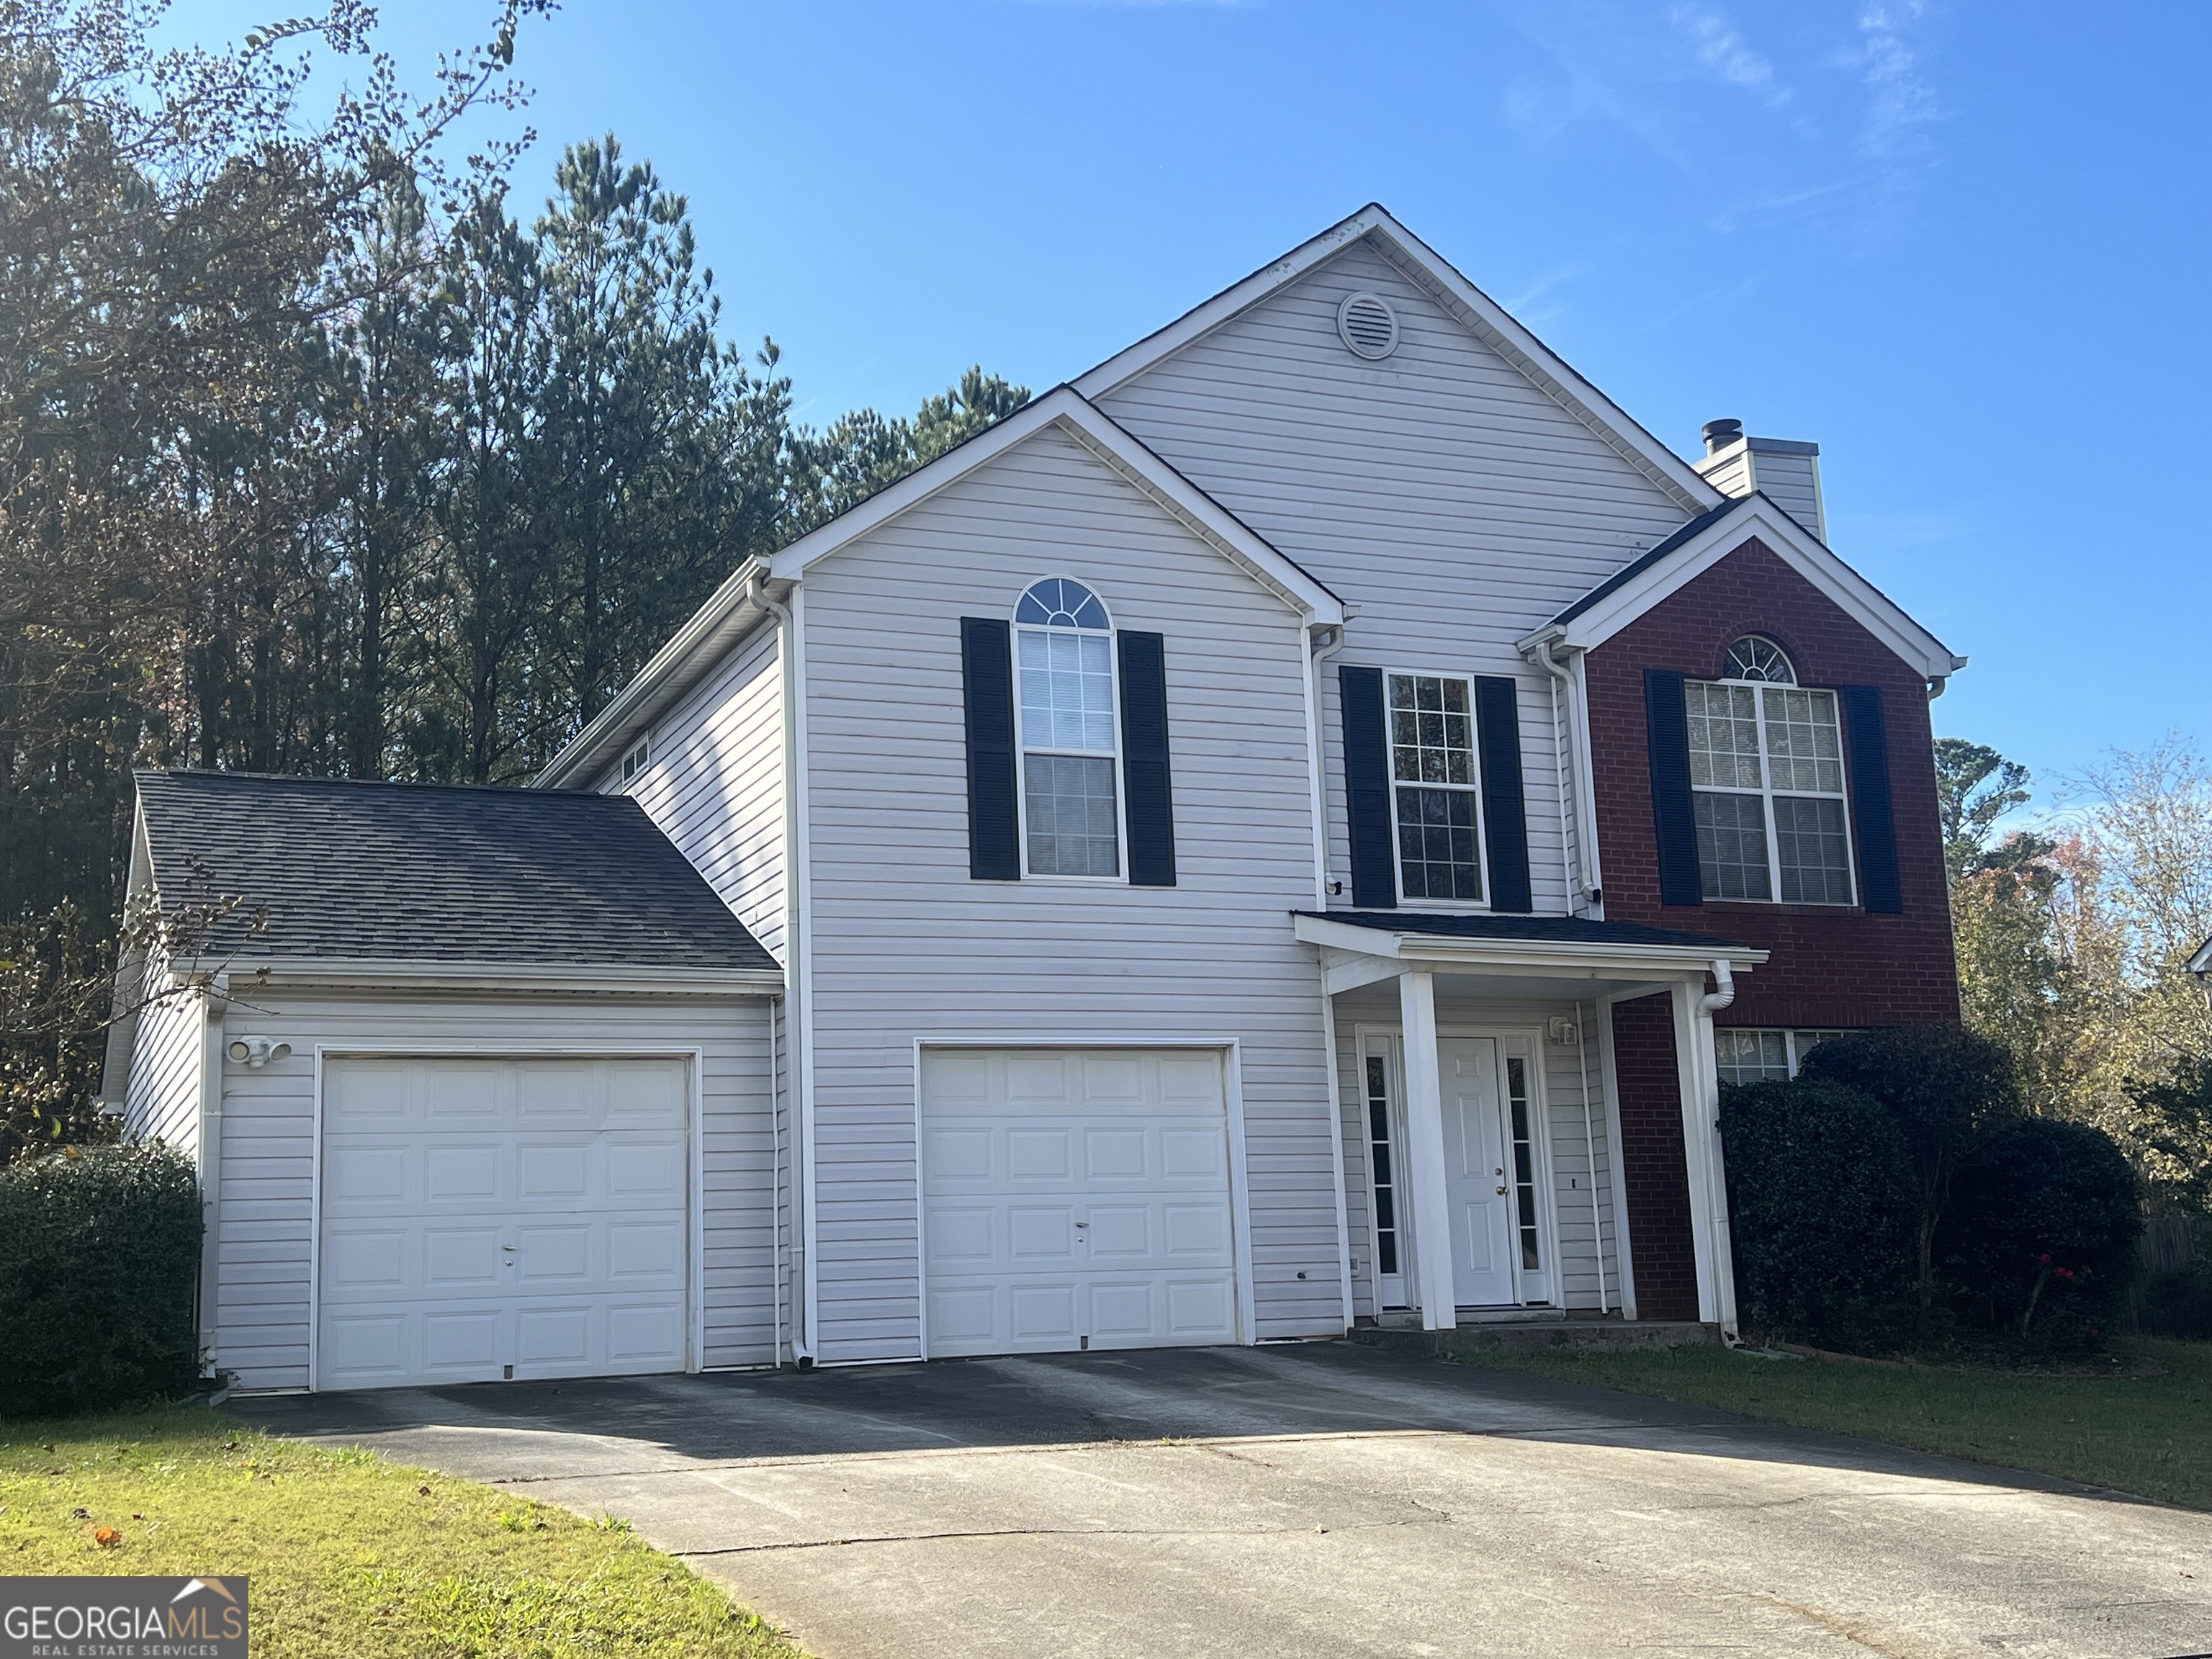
(1467, 305)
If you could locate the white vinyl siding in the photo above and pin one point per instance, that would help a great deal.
(715, 785)
(905, 947)
(1440, 490)
(1574, 1163)
(266, 1225)
(163, 1102)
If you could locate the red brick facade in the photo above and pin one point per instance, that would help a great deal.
(1652, 1159)
(1831, 966)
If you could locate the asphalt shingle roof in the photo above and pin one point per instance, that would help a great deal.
(1559, 930)
(1643, 562)
(435, 872)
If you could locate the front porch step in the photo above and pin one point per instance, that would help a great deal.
(1551, 1333)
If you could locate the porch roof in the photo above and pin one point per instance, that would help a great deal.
(1572, 946)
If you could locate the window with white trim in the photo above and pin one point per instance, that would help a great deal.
(1435, 786)
(1766, 780)
(1068, 732)
(638, 757)
(1746, 1055)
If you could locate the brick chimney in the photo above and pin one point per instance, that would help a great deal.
(1787, 471)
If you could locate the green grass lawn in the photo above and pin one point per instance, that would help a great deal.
(349, 1555)
(2150, 1435)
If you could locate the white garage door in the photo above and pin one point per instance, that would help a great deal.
(491, 1218)
(1075, 1198)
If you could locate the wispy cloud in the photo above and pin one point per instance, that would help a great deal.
(1724, 52)
(1901, 101)
(1617, 63)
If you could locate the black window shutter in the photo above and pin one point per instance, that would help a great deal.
(1367, 788)
(987, 673)
(1874, 826)
(1504, 813)
(1667, 722)
(1145, 767)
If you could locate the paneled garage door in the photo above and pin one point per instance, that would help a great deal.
(1076, 1199)
(490, 1218)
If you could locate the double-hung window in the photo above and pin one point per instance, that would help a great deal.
(1766, 779)
(1748, 1054)
(1437, 787)
(1071, 760)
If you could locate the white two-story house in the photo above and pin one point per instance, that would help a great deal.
(1258, 841)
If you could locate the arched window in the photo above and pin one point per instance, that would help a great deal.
(1755, 657)
(1070, 757)
(1766, 782)
(1055, 602)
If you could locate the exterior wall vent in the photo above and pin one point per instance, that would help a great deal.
(1368, 325)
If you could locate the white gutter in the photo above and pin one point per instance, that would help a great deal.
(376, 974)
(662, 676)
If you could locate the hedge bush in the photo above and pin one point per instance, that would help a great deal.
(1821, 1207)
(100, 1253)
(2039, 1237)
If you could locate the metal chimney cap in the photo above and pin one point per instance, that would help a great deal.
(1719, 434)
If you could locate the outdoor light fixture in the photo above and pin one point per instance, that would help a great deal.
(256, 1051)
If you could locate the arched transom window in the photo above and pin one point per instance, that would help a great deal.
(1064, 650)
(1766, 780)
(1755, 657)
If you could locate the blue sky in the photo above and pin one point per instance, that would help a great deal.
(1963, 246)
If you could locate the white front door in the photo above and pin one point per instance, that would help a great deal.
(491, 1218)
(1475, 1174)
(1075, 1198)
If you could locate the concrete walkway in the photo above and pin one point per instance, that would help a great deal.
(1321, 1499)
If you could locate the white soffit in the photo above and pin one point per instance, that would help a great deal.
(1083, 422)
(1474, 310)
(1796, 547)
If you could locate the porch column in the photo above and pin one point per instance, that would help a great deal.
(1695, 1066)
(1424, 1152)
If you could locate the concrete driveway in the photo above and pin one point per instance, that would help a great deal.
(1323, 1499)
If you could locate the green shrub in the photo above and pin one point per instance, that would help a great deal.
(1947, 1089)
(1821, 1206)
(100, 1253)
(2040, 1237)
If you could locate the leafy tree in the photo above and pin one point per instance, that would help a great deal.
(313, 459)
(1975, 786)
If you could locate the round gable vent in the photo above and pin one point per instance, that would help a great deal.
(1368, 325)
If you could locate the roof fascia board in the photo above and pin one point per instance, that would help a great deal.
(730, 614)
(1558, 955)
(344, 973)
(1859, 599)
(1106, 439)
(1473, 309)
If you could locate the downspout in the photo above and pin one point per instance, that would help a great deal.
(1571, 849)
(776, 1192)
(802, 1346)
(1724, 989)
(1575, 774)
(1722, 994)
(1317, 655)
